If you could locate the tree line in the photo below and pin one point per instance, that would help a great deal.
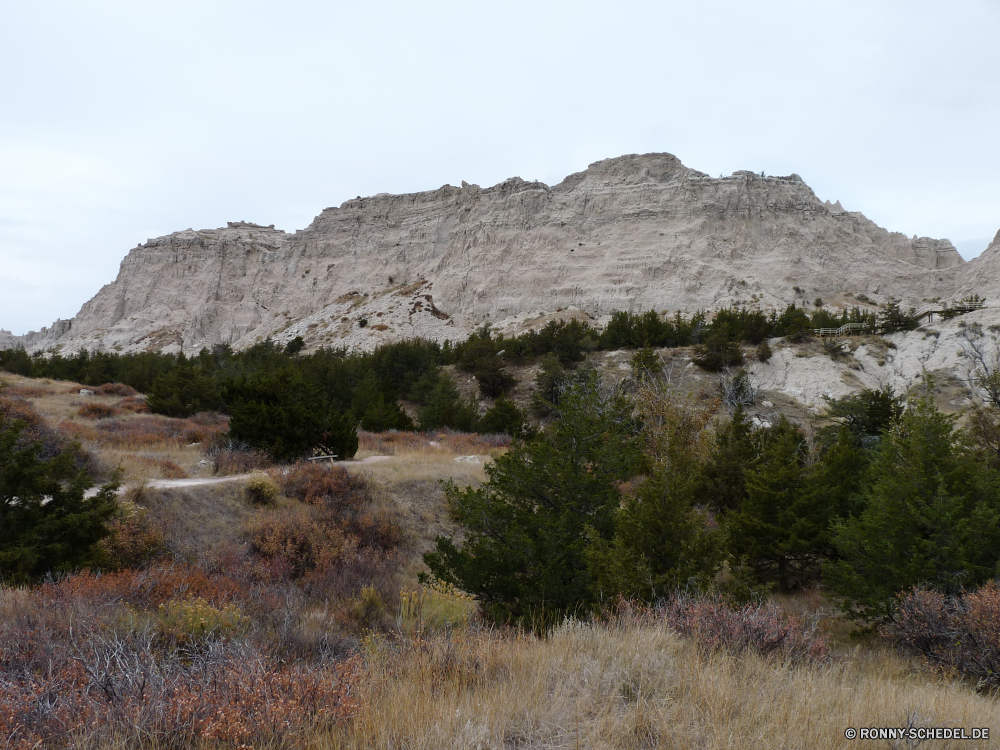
(640, 496)
(286, 402)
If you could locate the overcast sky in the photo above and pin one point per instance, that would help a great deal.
(129, 119)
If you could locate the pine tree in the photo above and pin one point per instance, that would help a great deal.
(723, 480)
(48, 525)
(444, 407)
(505, 417)
(931, 516)
(287, 417)
(527, 526)
(662, 539)
(780, 529)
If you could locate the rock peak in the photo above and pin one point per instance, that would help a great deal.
(635, 232)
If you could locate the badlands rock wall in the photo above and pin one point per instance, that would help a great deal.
(630, 233)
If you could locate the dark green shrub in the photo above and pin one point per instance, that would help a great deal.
(528, 526)
(931, 517)
(47, 524)
(444, 407)
(287, 417)
(549, 383)
(505, 417)
(717, 353)
(764, 352)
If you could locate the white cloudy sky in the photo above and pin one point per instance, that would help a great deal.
(122, 120)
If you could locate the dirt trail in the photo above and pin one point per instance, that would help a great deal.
(165, 484)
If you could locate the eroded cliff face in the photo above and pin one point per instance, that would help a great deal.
(631, 233)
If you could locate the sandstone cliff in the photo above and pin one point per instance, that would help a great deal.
(630, 233)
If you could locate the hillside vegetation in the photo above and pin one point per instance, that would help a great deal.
(619, 563)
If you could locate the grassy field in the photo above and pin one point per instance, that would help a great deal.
(299, 622)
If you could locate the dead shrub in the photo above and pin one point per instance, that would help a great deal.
(230, 462)
(188, 621)
(331, 552)
(122, 690)
(299, 540)
(167, 469)
(139, 431)
(145, 589)
(958, 634)
(27, 390)
(131, 541)
(324, 486)
(355, 569)
(95, 410)
(115, 389)
(394, 442)
(716, 625)
(134, 405)
(51, 441)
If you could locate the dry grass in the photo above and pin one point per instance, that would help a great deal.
(395, 443)
(114, 425)
(623, 684)
(197, 520)
(412, 479)
(633, 686)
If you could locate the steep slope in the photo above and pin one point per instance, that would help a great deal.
(632, 233)
(982, 274)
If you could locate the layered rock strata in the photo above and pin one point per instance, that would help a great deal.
(630, 233)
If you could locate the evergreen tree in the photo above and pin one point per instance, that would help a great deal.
(385, 415)
(287, 417)
(47, 523)
(717, 353)
(374, 410)
(837, 480)
(549, 383)
(444, 407)
(781, 529)
(723, 480)
(505, 417)
(524, 552)
(183, 391)
(662, 539)
(931, 516)
(868, 414)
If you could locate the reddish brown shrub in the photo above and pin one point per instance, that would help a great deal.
(302, 541)
(28, 390)
(131, 543)
(121, 688)
(715, 625)
(98, 411)
(146, 430)
(329, 487)
(37, 431)
(168, 469)
(393, 442)
(145, 589)
(115, 389)
(331, 557)
(953, 633)
(134, 405)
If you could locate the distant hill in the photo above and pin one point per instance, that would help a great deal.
(636, 232)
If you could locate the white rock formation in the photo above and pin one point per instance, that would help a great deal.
(630, 233)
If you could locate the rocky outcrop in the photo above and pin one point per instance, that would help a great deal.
(7, 339)
(630, 233)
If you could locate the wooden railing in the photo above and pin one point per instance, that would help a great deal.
(928, 311)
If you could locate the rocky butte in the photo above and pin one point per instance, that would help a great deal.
(636, 232)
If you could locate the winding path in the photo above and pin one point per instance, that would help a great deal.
(168, 484)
